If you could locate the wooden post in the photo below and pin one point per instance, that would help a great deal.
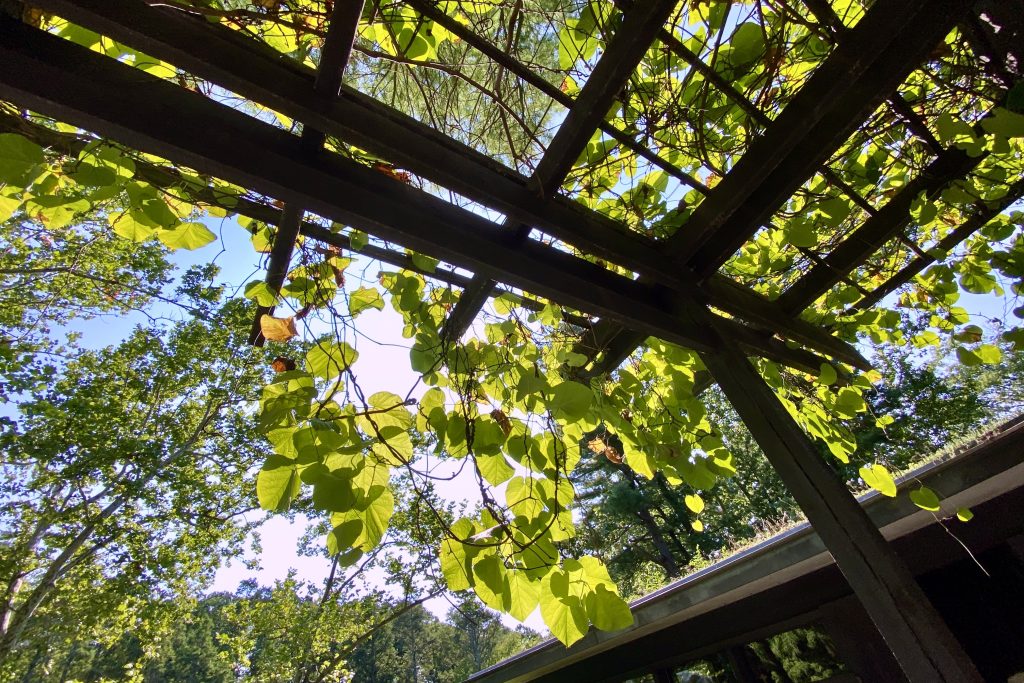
(918, 637)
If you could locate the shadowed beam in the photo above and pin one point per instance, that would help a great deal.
(334, 56)
(255, 71)
(66, 81)
(886, 44)
(876, 231)
(918, 637)
(624, 52)
(172, 182)
(907, 273)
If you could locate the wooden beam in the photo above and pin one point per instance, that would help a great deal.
(907, 273)
(334, 56)
(66, 81)
(257, 72)
(877, 230)
(620, 59)
(169, 180)
(913, 630)
(834, 26)
(887, 44)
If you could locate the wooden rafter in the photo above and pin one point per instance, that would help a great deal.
(334, 56)
(613, 71)
(69, 82)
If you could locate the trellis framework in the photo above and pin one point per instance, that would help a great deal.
(624, 286)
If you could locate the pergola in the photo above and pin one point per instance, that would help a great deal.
(634, 286)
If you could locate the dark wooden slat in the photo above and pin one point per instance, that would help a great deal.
(624, 52)
(914, 631)
(257, 72)
(877, 230)
(828, 18)
(947, 243)
(170, 180)
(886, 45)
(760, 311)
(334, 55)
(66, 81)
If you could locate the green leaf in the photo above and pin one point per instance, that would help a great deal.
(964, 514)
(277, 484)
(374, 510)
(423, 262)
(93, 176)
(1005, 123)
(878, 478)
(695, 503)
(328, 358)
(358, 240)
(8, 205)
(260, 292)
(363, 298)
(344, 536)
(21, 160)
(989, 354)
(570, 400)
(563, 612)
(54, 210)
(187, 236)
(524, 594)
(827, 375)
(125, 225)
(801, 234)
(494, 468)
(967, 357)
(747, 43)
(607, 610)
(849, 402)
(925, 499)
(490, 582)
(456, 556)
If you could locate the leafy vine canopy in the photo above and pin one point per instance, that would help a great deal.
(527, 391)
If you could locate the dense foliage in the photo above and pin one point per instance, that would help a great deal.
(513, 403)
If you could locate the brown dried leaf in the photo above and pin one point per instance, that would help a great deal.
(596, 446)
(502, 419)
(282, 364)
(278, 329)
(613, 455)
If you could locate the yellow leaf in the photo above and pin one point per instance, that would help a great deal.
(278, 329)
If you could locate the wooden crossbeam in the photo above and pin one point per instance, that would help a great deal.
(257, 72)
(887, 44)
(976, 222)
(334, 56)
(828, 18)
(68, 82)
(169, 180)
(877, 230)
(874, 58)
(624, 52)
